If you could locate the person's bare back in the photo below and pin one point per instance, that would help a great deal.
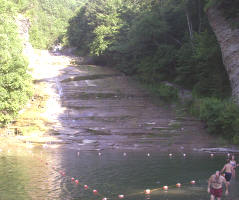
(228, 168)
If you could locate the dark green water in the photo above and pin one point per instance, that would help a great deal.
(24, 176)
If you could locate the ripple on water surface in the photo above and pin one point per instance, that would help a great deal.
(26, 175)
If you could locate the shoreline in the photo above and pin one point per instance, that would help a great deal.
(50, 119)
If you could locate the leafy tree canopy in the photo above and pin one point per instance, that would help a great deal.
(155, 40)
(15, 83)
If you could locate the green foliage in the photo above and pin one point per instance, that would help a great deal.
(201, 68)
(48, 18)
(79, 32)
(107, 28)
(210, 3)
(95, 27)
(235, 139)
(153, 42)
(156, 67)
(157, 41)
(167, 92)
(22, 5)
(221, 117)
(15, 83)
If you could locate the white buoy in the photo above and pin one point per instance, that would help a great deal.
(193, 182)
(147, 191)
(170, 155)
(125, 154)
(211, 154)
(148, 154)
(184, 155)
(178, 185)
(120, 196)
(99, 154)
(165, 188)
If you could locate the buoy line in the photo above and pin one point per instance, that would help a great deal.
(164, 188)
(120, 196)
(95, 192)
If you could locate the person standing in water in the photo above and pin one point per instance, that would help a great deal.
(228, 168)
(234, 165)
(215, 183)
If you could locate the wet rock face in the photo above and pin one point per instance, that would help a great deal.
(93, 107)
(228, 39)
(23, 28)
(24, 25)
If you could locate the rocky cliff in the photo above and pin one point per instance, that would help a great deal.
(228, 38)
(23, 28)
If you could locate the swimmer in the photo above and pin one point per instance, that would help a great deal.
(215, 183)
(234, 165)
(228, 171)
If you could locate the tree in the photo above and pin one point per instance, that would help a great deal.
(166, 40)
(15, 83)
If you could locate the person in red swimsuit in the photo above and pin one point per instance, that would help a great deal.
(215, 183)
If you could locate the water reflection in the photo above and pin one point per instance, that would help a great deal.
(24, 176)
(27, 174)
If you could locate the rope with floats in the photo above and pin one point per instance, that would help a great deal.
(95, 192)
(146, 192)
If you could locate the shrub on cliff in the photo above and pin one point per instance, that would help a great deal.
(15, 83)
(221, 117)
